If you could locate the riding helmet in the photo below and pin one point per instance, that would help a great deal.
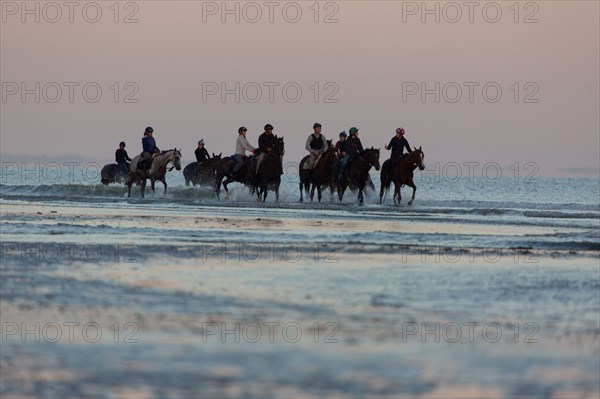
(316, 125)
(242, 129)
(400, 130)
(353, 130)
(343, 134)
(148, 130)
(268, 126)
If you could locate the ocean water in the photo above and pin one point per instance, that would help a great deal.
(482, 288)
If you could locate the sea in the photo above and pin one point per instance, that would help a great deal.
(486, 286)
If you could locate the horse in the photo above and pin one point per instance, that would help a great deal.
(270, 171)
(402, 171)
(111, 173)
(322, 173)
(223, 171)
(202, 174)
(157, 171)
(357, 172)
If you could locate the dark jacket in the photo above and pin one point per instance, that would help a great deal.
(266, 141)
(201, 155)
(397, 145)
(121, 156)
(340, 146)
(149, 145)
(353, 146)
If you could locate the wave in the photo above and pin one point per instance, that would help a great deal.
(290, 199)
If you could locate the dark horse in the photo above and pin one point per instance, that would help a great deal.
(357, 172)
(202, 174)
(111, 173)
(322, 174)
(223, 170)
(402, 172)
(270, 171)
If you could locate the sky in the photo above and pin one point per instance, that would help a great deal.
(491, 82)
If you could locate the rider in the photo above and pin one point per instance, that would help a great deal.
(340, 146)
(266, 143)
(149, 149)
(201, 153)
(353, 148)
(397, 144)
(241, 146)
(316, 145)
(121, 157)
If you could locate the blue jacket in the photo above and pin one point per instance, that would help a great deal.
(148, 144)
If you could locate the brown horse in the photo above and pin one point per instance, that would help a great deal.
(357, 172)
(402, 171)
(202, 174)
(270, 171)
(322, 173)
(223, 171)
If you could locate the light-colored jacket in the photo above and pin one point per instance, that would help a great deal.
(242, 145)
(309, 140)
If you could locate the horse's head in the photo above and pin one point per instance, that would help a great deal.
(371, 155)
(176, 158)
(214, 161)
(279, 145)
(417, 158)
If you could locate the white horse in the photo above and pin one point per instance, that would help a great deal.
(157, 171)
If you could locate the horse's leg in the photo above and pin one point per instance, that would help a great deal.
(319, 192)
(312, 191)
(164, 182)
(152, 184)
(277, 192)
(225, 184)
(361, 199)
(399, 192)
(414, 187)
(301, 187)
(381, 192)
(143, 186)
(341, 190)
(265, 191)
(217, 189)
(129, 183)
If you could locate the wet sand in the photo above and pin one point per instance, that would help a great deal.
(304, 311)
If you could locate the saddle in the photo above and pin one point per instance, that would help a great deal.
(305, 165)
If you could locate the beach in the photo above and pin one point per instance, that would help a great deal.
(181, 296)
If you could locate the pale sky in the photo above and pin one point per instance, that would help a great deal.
(373, 55)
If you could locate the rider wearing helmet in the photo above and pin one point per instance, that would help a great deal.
(266, 143)
(316, 145)
(121, 157)
(397, 144)
(353, 148)
(201, 153)
(340, 146)
(149, 149)
(241, 146)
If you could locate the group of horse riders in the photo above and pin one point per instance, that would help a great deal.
(316, 145)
